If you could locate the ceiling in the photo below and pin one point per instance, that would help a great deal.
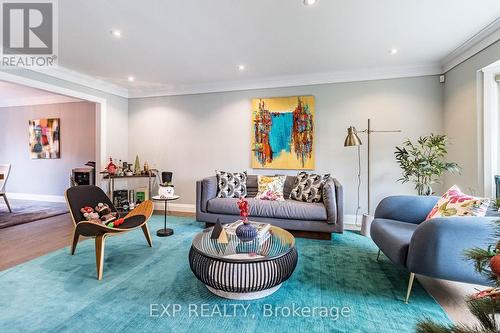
(177, 45)
(12, 94)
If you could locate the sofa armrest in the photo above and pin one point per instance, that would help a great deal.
(206, 189)
(437, 247)
(333, 197)
(405, 208)
(330, 201)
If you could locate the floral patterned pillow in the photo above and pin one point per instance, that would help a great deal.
(456, 203)
(271, 188)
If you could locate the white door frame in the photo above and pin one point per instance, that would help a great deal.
(101, 110)
(490, 126)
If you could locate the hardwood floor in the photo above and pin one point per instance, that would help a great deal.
(24, 242)
(27, 241)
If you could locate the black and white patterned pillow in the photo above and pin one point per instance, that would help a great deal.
(231, 184)
(308, 187)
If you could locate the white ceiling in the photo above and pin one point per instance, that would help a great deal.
(183, 44)
(17, 95)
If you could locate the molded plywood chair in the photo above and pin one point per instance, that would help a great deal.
(4, 175)
(90, 195)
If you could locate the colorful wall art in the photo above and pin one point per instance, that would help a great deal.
(283, 133)
(44, 136)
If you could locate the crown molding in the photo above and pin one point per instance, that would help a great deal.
(89, 81)
(368, 74)
(38, 100)
(484, 38)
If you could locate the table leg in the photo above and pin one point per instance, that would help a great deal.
(165, 232)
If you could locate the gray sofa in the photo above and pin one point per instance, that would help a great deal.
(324, 217)
(434, 248)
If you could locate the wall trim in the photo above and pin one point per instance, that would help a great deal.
(484, 38)
(83, 80)
(367, 74)
(35, 197)
(38, 100)
(487, 36)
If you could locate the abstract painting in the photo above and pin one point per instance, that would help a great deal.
(283, 133)
(44, 137)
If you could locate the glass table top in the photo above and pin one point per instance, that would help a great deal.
(273, 244)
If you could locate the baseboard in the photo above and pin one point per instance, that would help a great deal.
(176, 207)
(350, 222)
(35, 197)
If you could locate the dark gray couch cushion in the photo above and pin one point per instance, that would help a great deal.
(288, 209)
(393, 238)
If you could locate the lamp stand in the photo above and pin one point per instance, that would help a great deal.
(367, 218)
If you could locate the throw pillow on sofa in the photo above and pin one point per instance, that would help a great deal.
(231, 184)
(271, 188)
(455, 203)
(308, 187)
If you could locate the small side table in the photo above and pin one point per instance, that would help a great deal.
(165, 232)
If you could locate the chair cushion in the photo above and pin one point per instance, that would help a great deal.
(287, 209)
(393, 238)
(132, 222)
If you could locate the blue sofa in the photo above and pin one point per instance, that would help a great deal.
(434, 248)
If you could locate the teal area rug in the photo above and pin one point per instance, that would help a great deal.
(338, 286)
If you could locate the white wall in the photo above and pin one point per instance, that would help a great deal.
(46, 176)
(193, 135)
(463, 118)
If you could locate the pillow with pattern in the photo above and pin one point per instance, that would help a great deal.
(308, 187)
(231, 184)
(271, 188)
(456, 203)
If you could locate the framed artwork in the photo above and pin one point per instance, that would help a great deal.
(283, 133)
(44, 138)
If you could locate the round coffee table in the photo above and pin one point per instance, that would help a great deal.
(243, 270)
(165, 232)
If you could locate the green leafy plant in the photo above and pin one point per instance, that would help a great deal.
(423, 162)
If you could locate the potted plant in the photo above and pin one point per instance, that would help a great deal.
(423, 163)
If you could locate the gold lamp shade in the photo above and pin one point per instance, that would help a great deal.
(352, 138)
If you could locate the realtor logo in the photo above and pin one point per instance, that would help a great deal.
(29, 33)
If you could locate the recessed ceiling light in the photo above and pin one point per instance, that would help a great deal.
(131, 79)
(393, 51)
(116, 33)
(241, 67)
(309, 2)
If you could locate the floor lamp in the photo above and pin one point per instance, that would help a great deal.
(352, 140)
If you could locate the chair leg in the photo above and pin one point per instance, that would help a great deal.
(76, 236)
(7, 202)
(410, 285)
(99, 254)
(145, 229)
(378, 254)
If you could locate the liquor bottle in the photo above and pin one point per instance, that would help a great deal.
(111, 168)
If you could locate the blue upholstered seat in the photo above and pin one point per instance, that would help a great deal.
(433, 248)
(393, 238)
